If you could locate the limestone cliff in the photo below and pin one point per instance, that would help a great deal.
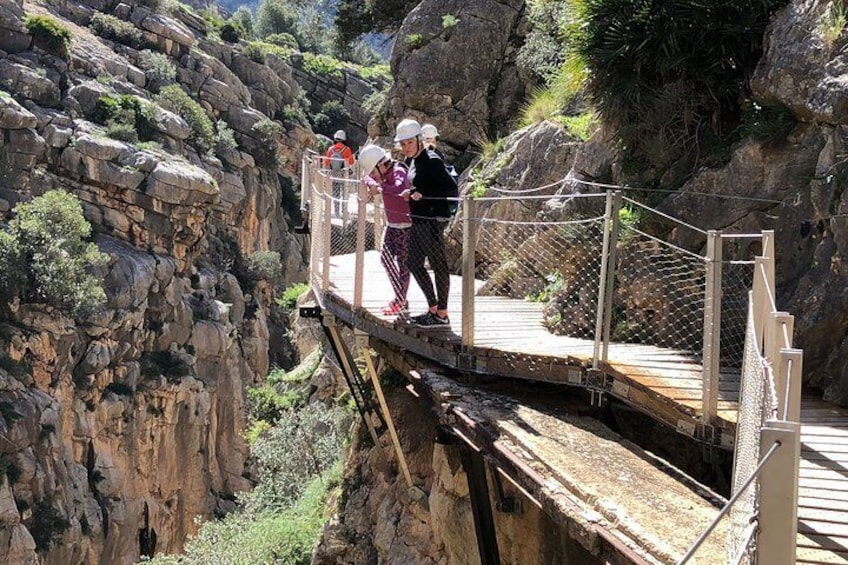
(119, 429)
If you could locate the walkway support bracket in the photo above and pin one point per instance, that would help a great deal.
(362, 343)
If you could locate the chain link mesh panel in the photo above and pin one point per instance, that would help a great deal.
(757, 403)
(554, 264)
(736, 277)
(658, 296)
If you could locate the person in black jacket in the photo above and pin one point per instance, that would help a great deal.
(430, 207)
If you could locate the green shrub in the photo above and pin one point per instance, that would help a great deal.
(48, 526)
(582, 127)
(202, 133)
(304, 444)
(289, 298)
(267, 132)
(668, 75)
(243, 18)
(286, 537)
(50, 257)
(301, 373)
(257, 51)
(323, 65)
(264, 265)
(122, 131)
(833, 23)
(157, 67)
(48, 33)
(226, 138)
(415, 40)
(332, 116)
(231, 32)
(267, 405)
(114, 29)
(127, 118)
(286, 40)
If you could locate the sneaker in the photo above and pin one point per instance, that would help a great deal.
(432, 321)
(394, 308)
(421, 318)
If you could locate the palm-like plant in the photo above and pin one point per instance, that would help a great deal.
(669, 69)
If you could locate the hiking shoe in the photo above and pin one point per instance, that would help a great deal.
(431, 320)
(394, 308)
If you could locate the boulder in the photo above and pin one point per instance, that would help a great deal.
(800, 69)
(14, 36)
(27, 82)
(448, 76)
(180, 183)
(15, 116)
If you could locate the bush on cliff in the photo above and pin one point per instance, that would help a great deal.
(202, 132)
(47, 257)
(49, 34)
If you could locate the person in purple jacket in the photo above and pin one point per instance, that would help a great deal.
(385, 176)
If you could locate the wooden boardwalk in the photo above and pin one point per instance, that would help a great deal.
(823, 489)
(510, 340)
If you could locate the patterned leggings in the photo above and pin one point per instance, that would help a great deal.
(393, 257)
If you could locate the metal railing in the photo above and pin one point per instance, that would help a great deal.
(603, 279)
(763, 509)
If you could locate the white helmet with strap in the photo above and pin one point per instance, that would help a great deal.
(369, 156)
(429, 131)
(407, 129)
(340, 135)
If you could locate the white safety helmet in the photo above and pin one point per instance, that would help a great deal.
(429, 131)
(407, 129)
(340, 136)
(369, 156)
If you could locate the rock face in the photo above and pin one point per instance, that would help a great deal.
(460, 77)
(126, 422)
(120, 428)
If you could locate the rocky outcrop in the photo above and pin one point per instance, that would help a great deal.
(801, 68)
(344, 85)
(462, 77)
(129, 420)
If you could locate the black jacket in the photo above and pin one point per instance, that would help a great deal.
(430, 177)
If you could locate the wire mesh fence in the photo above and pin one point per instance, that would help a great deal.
(760, 404)
(554, 264)
(659, 293)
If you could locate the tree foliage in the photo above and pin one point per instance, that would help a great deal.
(46, 255)
(669, 71)
(356, 18)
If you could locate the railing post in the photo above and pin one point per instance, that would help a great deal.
(345, 195)
(378, 222)
(469, 245)
(778, 493)
(327, 231)
(361, 202)
(791, 368)
(615, 227)
(775, 339)
(602, 283)
(760, 299)
(304, 181)
(315, 216)
(712, 329)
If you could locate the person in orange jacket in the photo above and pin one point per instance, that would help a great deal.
(339, 156)
(339, 159)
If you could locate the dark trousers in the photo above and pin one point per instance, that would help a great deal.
(394, 257)
(427, 241)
